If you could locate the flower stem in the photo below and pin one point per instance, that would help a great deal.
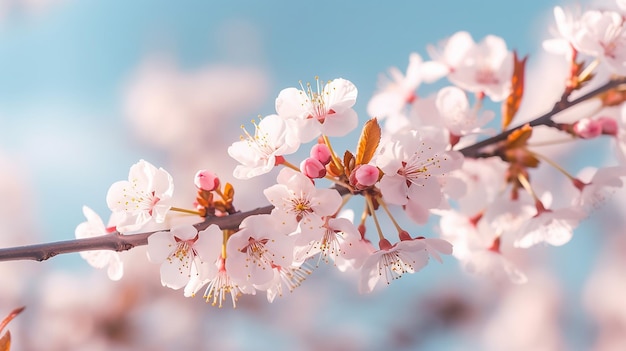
(552, 163)
(184, 210)
(393, 220)
(336, 161)
(370, 205)
(290, 165)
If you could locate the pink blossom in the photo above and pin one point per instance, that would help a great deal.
(458, 117)
(411, 167)
(395, 93)
(554, 227)
(257, 153)
(260, 245)
(326, 110)
(146, 196)
(182, 248)
(298, 204)
(485, 67)
(101, 258)
(391, 262)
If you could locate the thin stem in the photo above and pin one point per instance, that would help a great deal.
(370, 204)
(332, 152)
(526, 184)
(553, 164)
(290, 165)
(184, 210)
(393, 220)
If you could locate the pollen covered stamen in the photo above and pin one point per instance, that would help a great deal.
(392, 266)
(316, 101)
(259, 141)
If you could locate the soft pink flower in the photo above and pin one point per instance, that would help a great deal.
(485, 67)
(181, 248)
(257, 153)
(101, 258)
(145, 196)
(298, 204)
(411, 167)
(326, 110)
(391, 262)
(260, 245)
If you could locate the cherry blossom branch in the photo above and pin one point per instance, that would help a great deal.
(114, 241)
(120, 242)
(473, 151)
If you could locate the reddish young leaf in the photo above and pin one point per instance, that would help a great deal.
(5, 342)
(512, 103)
(368, 142)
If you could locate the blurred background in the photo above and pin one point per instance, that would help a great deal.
(87, 88)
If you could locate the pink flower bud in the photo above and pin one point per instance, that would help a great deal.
(364, 176)
(609, 125)
(588, 128)
(312, 168)
(206, 180)
(321, 152)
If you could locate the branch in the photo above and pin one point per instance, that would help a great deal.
(114, 241)
(120, 242)
(473, 151)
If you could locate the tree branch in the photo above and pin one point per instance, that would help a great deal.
(120, 242)
(473, 151)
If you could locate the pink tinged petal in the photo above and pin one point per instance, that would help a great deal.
(308, 129)
(115, 196)
(416, 212)
(340, 123)
(427, 193)
(160, 246)
(495, 265)
(176, 271)
(184, 232)
(289, 103)
(385, 103)
(436, 246)
(369, 274)
(208, 247)
(432, 71)
(116, 267)
(326, 202)
(341, 94)
(394, 189)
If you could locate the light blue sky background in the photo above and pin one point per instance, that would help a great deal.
(63, 74)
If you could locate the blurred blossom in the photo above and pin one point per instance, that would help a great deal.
(527, 317)
(604, 295)
(171, 108)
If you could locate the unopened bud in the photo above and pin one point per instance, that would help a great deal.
(364, 176)
(588, 128)
(206, 180)
(609, 125)
(312, 168)
(321, 152)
